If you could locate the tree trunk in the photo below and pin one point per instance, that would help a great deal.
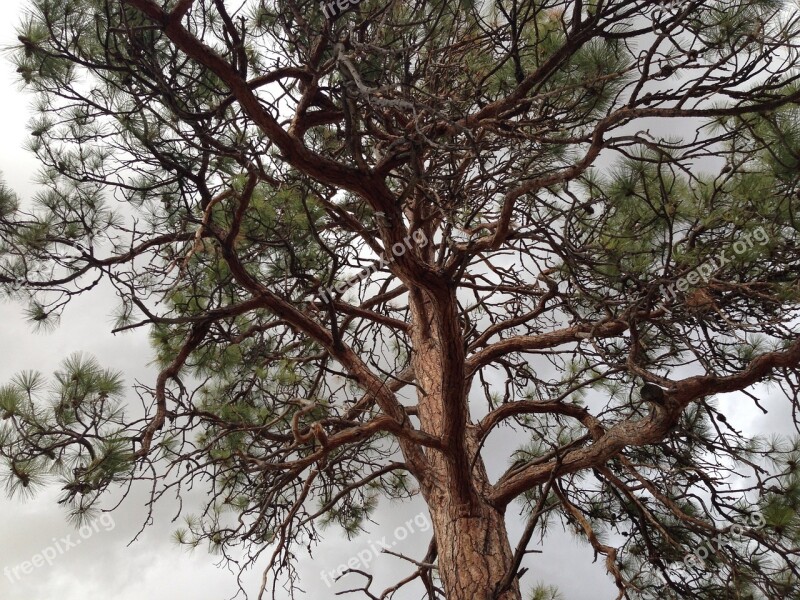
(474, 554)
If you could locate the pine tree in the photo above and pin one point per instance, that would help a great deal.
(367, 247)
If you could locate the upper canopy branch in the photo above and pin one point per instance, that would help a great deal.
(552, 339)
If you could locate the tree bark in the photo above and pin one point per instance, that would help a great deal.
(474, 553)
(473, 549)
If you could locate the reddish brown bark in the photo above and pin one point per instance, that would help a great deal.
(472, 542)
(474, 553)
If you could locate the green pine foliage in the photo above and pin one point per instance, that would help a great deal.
(41, 423)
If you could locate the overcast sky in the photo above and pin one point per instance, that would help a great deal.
(105, 565)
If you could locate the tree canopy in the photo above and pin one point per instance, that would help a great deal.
(368, 242)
